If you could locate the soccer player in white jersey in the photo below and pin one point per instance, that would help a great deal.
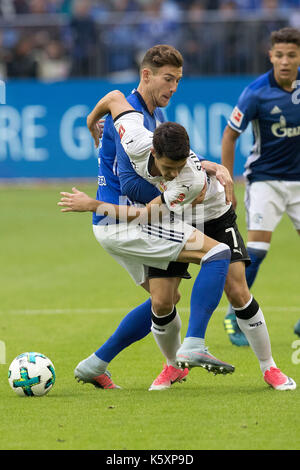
(180, 186)
(272, 171)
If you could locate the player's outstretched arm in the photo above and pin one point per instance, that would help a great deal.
(114, 103)
(228, 151)
(78, 201)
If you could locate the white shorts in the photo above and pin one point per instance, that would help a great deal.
(135, 246)
(267, 201)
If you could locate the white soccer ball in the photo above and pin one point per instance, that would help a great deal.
(31, 374)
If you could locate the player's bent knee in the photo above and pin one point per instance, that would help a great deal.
(162, 306)
(237, 294)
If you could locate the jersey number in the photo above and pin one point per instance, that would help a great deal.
(231, 229)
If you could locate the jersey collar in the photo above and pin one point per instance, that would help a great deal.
(141, 99)
(274, 83)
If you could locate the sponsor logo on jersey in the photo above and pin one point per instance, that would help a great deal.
(101, 181)
(237, 117)
(180, 198)
(280, 129)
(276, 110)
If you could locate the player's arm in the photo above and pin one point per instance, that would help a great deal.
(114, 103)
(78, 201)
(222, 174)
(229, 139)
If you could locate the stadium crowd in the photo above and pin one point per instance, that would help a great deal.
(57, 39)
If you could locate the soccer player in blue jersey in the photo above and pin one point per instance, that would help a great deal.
(272, 169)
(161, 71)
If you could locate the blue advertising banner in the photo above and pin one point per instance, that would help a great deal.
(43, 131)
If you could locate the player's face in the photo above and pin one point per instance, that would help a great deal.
(162, 84)
(168, 168)
(285, 58)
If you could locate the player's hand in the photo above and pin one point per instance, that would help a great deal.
(77, 201)
(95, 130)
(100, 125)
(224, 178)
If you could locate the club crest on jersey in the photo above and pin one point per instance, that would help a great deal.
(162, 186)
(121, 131)
(237, 117)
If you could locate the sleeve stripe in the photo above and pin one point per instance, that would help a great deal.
(126, 112)
(234, 128)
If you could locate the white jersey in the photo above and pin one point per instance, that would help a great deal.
(180, 192)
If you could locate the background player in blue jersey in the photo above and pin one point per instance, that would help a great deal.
(272, 169)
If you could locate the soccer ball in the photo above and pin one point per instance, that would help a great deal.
(31, 374)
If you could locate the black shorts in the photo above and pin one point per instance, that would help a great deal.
(175, 269)
(225, 230)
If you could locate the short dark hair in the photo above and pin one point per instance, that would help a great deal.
(160, 55)
(171, 140)
(286, 35)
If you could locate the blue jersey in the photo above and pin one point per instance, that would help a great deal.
(275, 117)
(116, 177)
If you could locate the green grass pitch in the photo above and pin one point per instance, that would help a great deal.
(62, 295)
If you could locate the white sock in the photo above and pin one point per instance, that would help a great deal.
(92, 366)
(262, 246)
(167, 336)
(256, 332)
(193, 343)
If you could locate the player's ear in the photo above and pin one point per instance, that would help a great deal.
(145, 75)
(271, 56)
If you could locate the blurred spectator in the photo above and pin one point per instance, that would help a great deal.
(38, 7)
(21, 7)
(6, 8)
(119, 41)
(108, 37)
(2, 59)
(84, 40)
(196, 40)
(53, 64)
(232, 57)
(20, 62)
(155, 27)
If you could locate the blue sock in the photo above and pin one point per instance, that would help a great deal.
(135, 326)
(208, 289)
(256, 256)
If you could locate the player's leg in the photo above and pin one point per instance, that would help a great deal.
(265, 203)
(251, 321)
(133, 327)
(257, 247)
(293, 211)
(137, 323)
(206, 294)
(297, 326)
(166, 322)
